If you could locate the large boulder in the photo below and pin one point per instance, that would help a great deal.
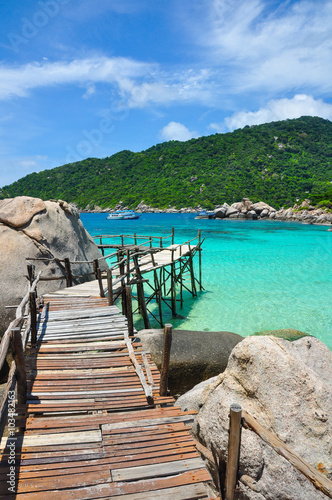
(287, 387)
(195, 355)
(30, 227)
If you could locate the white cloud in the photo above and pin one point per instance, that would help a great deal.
(256, 45)
(175, 131)
(137, 83)
(277, 109)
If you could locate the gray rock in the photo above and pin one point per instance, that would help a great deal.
(32, 228)
(287, 387)
(260, 206)
(220, 212)
(232, 211)
(195, 356)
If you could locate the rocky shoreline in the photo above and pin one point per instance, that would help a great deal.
(245, 209)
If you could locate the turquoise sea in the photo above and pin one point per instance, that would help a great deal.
(257, 275)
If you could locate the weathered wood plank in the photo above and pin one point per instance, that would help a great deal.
(157, 470)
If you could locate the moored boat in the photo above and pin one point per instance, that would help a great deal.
(204, 214)
(123, 215)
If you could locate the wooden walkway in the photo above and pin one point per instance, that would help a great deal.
(90, 431)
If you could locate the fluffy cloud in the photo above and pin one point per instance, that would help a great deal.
(270, 46)
(175, 131)
(281, 109)
(138, 83)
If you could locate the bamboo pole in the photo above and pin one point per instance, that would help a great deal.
(165, 359)
(233, 456)
(129, 311)
(18, 355)
(110, 287)
(33, 317)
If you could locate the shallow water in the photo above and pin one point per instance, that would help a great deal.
(257, 275)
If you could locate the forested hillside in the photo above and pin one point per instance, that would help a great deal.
(277, 162)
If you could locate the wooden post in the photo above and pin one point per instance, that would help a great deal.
(18, 355)
(95, 267)
(233, 456)
(135, 239)
(165, 359)
(173, 287)
(192, 275)
(140, 294)
(69, 277)
(181, 284)
(128, 266)
(161, 242)
(110, 287)
(100, 283)
(172, 235)
(123, 288)
(129, 311)
(157, 286)
(33, 317)
(150, 240)
(121, 240)
(31, 273)
(200, 260)
(101, 242)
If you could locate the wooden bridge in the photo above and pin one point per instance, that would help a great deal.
(95, 424)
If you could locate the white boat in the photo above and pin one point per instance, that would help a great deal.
(123, 215)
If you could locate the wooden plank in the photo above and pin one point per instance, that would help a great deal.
(108, 490)
(156, 470)
(54, 439)
(185, 492)
(145, 422)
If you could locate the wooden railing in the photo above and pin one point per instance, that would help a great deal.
(26, 317)
(228, 478)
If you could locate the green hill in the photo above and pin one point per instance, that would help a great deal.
(276, 162)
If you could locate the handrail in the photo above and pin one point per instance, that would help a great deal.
(240, 418)
(20, 316)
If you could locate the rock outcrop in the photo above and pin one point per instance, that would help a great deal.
(30, 227)
(287, 387)
(245, 209)
(195, 356)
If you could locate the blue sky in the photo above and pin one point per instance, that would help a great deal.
(82, 78)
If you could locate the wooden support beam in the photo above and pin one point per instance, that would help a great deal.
(172, 235)
(31, 273)
(129, 311)
(192, 275)
(18, 355)
(33, 317)
(110, 287)
(200, 260)
(69, 278)
(173, 290)
(165, 359)
(233, 456)
(140, 294)
(157, 286)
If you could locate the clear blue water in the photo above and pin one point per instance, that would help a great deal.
(257, 275)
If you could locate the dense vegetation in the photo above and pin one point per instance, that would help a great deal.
(277, 162)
